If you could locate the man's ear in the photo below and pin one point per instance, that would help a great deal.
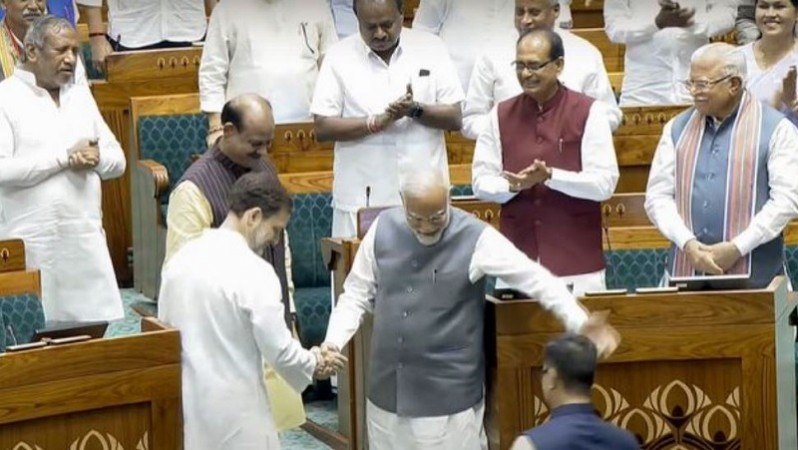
(31, 53)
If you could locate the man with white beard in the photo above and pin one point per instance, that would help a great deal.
(425, 266)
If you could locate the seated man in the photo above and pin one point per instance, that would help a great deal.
(569, 368)
(722, 185)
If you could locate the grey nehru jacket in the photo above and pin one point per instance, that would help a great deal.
(427, 348)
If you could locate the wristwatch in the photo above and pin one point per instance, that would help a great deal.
(416, 111)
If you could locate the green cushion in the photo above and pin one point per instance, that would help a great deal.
(21, 315)
(85, 53)
(310, 222)
(172, 141)
(313, 307)
(630, 269)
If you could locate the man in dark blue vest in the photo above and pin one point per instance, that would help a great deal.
(569, 368)
(424, 266)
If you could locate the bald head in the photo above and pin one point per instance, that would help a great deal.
(425, 195)
(246, 110)
(248, 129)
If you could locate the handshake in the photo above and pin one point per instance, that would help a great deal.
(329, 361)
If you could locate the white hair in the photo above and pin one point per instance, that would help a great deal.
(420, 181)
(733, 59)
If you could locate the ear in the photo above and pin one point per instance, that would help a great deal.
(31, 53)
(556, 12)
(229, 129)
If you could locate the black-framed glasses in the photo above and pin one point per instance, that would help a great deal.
(521, 66)
(703, 85)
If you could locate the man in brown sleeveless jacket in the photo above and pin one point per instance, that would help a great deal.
(548, 158)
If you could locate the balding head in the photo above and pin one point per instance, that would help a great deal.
(425, 196)
(248, 129)
(717, 79)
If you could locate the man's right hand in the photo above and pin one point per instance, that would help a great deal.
(701, 257)
(85, 154)
(100, 49)
(330, 361)
(671, 15)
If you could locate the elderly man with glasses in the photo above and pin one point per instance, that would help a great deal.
(722, 186)
(547, 156)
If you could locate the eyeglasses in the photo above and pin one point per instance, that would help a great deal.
(521, 66)
(703, 85)
(436, 219)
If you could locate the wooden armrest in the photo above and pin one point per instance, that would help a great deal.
(158, 173)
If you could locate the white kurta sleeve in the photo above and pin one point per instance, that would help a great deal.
(487, 170)
(112, 158)
(24, 171)
(623, 27)
(599, 175)
(479, 98)
(494, 255)
(215, 63)
(262, 305)
(430, 15)
(782, 206)
(359, 288)
(717, 19)
(449, 89)
(328, 98)
(599, 87)
(328, 35)
(661, 191)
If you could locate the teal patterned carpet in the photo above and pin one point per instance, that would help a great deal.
(323, 413)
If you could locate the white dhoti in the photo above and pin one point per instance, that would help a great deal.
(579, 284)
(460, 431)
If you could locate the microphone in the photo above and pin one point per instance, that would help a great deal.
(368, 195)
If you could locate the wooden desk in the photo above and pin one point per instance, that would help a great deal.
(107, 393)
(694, 371)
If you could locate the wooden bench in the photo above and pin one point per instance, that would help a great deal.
(132, 75)
(613, 53)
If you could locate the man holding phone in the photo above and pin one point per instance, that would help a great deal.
(385, 97)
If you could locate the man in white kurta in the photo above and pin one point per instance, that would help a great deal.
(270, 48)
(55, 149)
(370, 87)
(427, 267)
(468, 27)
(494, 79)
(225, 299)
(659, 41)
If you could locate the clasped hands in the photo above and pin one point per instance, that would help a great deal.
(329, 360)
(85, 154)
(673, 15)
(536, 173)
(712, 259)
(398, 109)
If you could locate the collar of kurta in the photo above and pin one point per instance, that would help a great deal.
(367, 51)
(573, 409)
(543, 108)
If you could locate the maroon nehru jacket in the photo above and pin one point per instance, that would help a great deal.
(562, 232)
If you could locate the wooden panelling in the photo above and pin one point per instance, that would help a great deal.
(613, 53)
(588, 16)
(152, 65)
(21, 282)
(114, 393)
(12, 255)
(692, 369)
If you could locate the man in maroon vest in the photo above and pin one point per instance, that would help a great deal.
(548, 158)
